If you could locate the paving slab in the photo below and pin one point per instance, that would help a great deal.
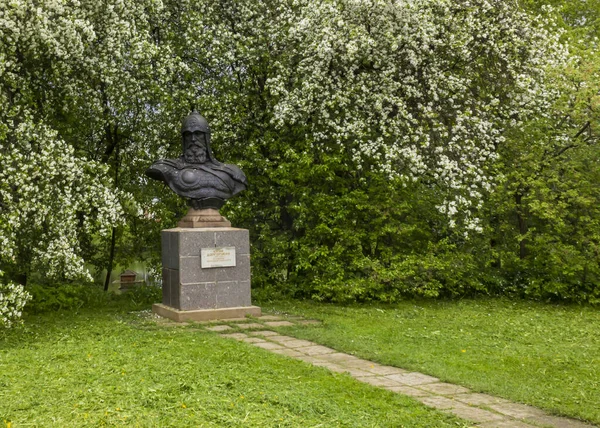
(413, 379)
(557, 422)
(234, 319)
(265, 333)
(377, 381)
(279, 323)
(250, 325)
(443, 388)
(331, 366)
(253, 340)
(281, 339)
(516, 410)
(340, 357)
(506, 423)
(385, 370)
(360, 363)
(237, 336)
(475, 414)
(408, 390)
(316, 350)
(288, 352)
(476, 399)
(310, 359)
(268, 345)
(297, 343)
(357, 372)
(269, 318)
(440, 403)
(218, 328)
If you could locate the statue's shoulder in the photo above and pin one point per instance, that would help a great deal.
(163, 168)
(236, 173)
(232, 167)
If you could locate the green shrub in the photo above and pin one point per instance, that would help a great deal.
(144, 295)
(73, 296)
(54, 297)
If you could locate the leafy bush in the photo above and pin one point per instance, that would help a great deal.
(54, 297)
(438, 272)
(360, 240)
(144, 295)
(73, 296)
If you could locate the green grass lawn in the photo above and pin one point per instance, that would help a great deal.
(109, 367)
(539, 354)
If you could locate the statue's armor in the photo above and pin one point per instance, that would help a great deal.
(187, 180)
(209, 184)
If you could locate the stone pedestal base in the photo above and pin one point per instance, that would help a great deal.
(208, 217)
(195, 290)
(204, 314)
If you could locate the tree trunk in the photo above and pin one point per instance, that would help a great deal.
(113, 138)
(21, 278)
(522, 225)
(111, 258)
(495, 223)
(287, 226)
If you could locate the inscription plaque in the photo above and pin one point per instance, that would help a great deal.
(217, 257)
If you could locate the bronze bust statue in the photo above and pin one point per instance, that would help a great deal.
(197, 175)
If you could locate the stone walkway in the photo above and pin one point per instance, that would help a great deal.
(483, 410)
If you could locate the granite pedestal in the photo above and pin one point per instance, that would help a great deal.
(192, 292)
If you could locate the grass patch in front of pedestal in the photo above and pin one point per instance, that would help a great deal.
(110, 367)
(541, 354)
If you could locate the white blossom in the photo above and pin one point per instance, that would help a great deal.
(426, 88)
(13, 298)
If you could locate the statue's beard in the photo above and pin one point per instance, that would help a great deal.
(195, 154)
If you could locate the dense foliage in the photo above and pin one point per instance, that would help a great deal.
(394, 148)
(544, 220)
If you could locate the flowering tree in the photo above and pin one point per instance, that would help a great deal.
(78, 85)
(49, 199)
(417, 89)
